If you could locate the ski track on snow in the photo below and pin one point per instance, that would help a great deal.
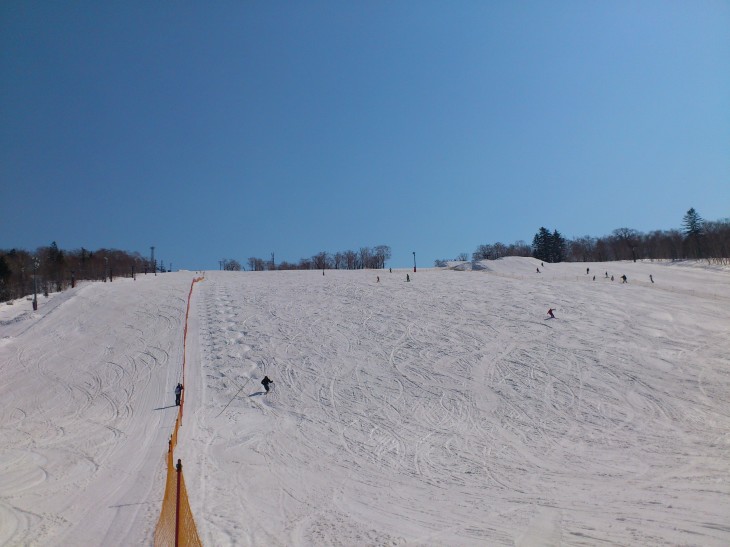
(447, 411)
(444, 411)
(79, 431)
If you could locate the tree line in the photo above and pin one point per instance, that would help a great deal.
(697, 239)
(49, 269)
(365, 258)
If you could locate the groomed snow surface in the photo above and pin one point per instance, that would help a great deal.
(447, 410)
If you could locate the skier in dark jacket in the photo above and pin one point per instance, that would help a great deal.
(178, 393)
(265, 382)
(550, 313)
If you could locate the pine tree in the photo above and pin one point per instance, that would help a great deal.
(557, 247)
(549, 247)
(693, 225)
(541, 245)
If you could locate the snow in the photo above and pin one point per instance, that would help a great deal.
(444, 411)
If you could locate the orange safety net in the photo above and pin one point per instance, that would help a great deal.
(176, 525)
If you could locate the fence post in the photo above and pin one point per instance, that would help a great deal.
(177, 504)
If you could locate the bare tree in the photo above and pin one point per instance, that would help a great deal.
(351, 259)
(364, 256)
(319, 261)
(717, 240)
(381, 253)
(583, 249)
(232, 265)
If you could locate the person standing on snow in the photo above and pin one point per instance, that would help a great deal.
(178, 393)
(550, 313)
(265, 382)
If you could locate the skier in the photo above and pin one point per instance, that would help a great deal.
(623, 278)
(265, 382)
(550, 313)
(178, 393)
(651, 278)
(378, 279)
(587, 270)
(538, 270)
(408, 277)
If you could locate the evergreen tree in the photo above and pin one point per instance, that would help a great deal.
(541, 245)
(693, 225)
(557, 247)
(549, 247)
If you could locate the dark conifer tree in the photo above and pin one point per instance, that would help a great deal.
(693, 226)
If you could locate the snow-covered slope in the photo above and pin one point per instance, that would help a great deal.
(86, 411)
(443, 411)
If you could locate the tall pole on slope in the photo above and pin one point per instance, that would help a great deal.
(414, 261)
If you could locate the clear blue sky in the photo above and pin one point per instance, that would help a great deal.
(233, 129)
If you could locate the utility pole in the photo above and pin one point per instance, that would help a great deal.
(152, 259)
(273, 264)
(414, 261)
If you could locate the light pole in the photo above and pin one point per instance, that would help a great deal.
(36, 265)
(106, 268)
(414, 261)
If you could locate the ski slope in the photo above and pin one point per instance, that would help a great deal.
(444, 411)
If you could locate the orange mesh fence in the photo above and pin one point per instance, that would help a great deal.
(176, 525)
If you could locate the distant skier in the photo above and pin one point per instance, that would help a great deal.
(408, 277)
(550, 313)
(265, 382)
(651, 278)
(378, 279)
(594, 278)
(624, 279)
(611, 278)
(178, 393)
(587, 270)
(606, 275)
(538, 270)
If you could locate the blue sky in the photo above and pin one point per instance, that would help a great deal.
(237, 129)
